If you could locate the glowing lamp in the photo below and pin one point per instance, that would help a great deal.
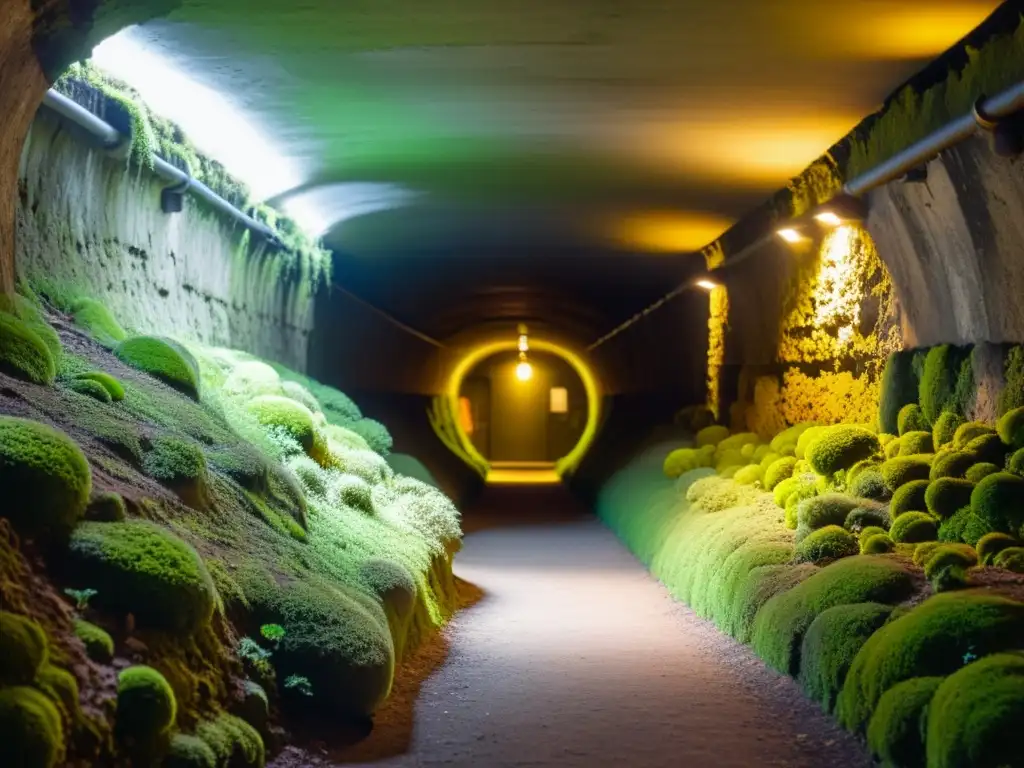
(790, 235)
(828, 218)
(524, 343)
(524, 371)
(707, 285)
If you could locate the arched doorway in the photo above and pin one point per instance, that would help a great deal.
(515, 420)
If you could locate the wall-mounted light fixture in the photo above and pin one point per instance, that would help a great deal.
(790, 235)
(1007, 133)
(707, 285)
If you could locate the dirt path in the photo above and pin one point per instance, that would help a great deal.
(574, 656)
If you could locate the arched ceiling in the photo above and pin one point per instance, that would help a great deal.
(570, 152)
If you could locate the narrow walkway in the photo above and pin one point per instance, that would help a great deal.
(576, 657)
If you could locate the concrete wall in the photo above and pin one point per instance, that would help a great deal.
(954, 245)
(85, 220)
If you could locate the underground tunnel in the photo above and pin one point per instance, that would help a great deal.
(480, 384)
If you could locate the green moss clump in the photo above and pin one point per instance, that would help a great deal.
(827, 509)
(781, 623)
(840, 447)
(233, 741)
(899, 389)
(782, 491)
(904, 469)
(352, 491)
(146, 707)
(89, 388)
(62, 688)
(963, 526)
(180, 465)
(999, 501)
(779, 470)
(865, 517)
(23, 354)
(292, 417)
(945, 427)
(909, 497)
(31, 734)
(112, 386)
(163, 359)
(896, 729)
(991, 544)
(337, 638)
(300, 394)
(947, 495)
(947, 381)
(106, 507)
(988, 448)
(869, 531)
(952, 464)
(977, 472)
(374, 433)
(99, 645)
(912, 527)
(830, 645)
(829, 543)
(140, 568)
(949, 555)
(712, 435)
(913, 443)
(1011, 558)
(878, 544)
(975, 715)
(1010, 428)
(23, 649)
(970, 431)
(929, 640)
(189, 752)
(45, 478)
(869, 484)
(911, 419)
(95, 319)
(1015, 462)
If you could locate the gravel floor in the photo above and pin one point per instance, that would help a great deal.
(574, 656)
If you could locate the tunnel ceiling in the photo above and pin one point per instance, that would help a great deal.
(582, 145)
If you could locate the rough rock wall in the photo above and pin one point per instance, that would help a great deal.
(22, 85)
(954, 245)
(88, 222)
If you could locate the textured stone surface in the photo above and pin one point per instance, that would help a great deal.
(954, 245)
(87, 219)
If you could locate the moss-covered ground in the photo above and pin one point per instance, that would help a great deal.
(856, 574)
(180, 545)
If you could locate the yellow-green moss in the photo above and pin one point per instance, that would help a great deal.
(163, 359)
(31, 734)
(23, 649)
(99, 645)
(23, 354)
(146, 707)
(45, 478)
(140, 568)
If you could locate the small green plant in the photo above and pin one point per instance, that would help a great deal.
(299, 683)
(250, 650)
(81, 597)
(970, 655)
(274, 633)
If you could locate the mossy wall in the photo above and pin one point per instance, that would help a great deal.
(89, 224)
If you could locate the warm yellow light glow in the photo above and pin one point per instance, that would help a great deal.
(828, 218)
(524, 371)
(707, 285)
(670, 232)
(559, 400)
(524, 343)
(908, 30)
(790, 235)
(567, 463)
(466, 415)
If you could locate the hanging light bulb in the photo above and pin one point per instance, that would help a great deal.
(524, 371)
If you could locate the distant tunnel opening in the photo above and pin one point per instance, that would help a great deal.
(523, 420)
